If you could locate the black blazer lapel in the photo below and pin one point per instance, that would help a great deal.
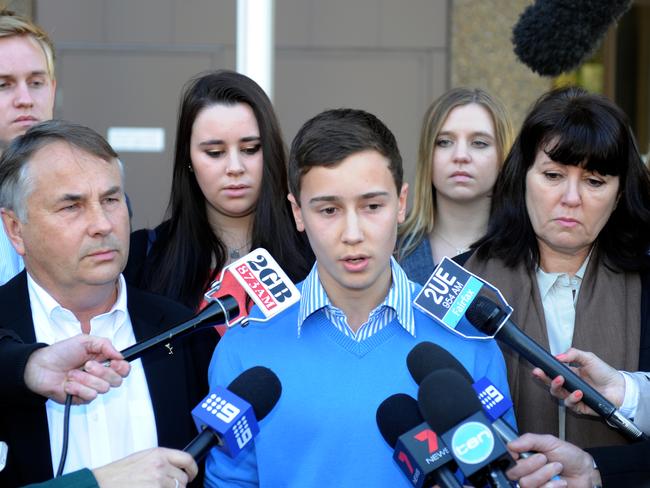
(167, 374)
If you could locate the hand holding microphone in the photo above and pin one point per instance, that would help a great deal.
(558, 457)
(593, 370)
(488, 317)
(55, 371)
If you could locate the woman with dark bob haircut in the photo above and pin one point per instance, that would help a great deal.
(228, 196)
(567, 244)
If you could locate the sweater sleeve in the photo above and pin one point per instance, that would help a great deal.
(220, 469)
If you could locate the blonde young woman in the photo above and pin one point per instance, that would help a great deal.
(465, 137)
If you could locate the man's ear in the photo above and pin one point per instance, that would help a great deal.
(403, 197)
(13, 229)
(297, 212)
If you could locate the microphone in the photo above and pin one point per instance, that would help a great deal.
(487, 316)
(555, 36)
(263, 280)
(227, 417)
(480, 454)
(216, 312)
(419, 452)
(427, 357)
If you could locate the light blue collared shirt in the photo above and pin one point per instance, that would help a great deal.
(396, 305)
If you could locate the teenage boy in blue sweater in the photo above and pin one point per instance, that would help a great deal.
(342, 349)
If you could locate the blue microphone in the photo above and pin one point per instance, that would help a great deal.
(227, 417)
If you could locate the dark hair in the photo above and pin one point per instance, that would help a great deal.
(14, 169)
(333, 135)
(180, 264)
(579, 129)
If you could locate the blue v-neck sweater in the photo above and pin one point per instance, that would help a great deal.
(323, 431)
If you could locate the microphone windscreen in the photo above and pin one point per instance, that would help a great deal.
(260, 387)
(427, 357)
(556, 36)
(397, 414)
(482, 314)
(446, 398)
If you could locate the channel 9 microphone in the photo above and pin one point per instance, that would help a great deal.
(227, 417)
(449, 405)
(488, 317)
(419, 452)
(428, 357)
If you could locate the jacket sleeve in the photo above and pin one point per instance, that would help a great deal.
(78, 479)
(14, 355)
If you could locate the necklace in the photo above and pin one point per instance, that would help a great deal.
(236, 253)
(459, 250)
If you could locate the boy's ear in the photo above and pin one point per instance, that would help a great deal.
(297, 212)
(403, 197)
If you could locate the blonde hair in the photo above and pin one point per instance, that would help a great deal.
(419, 222)
(12, 25)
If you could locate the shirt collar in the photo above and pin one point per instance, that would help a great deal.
(314, 297)
(50, 306)
(545, 281)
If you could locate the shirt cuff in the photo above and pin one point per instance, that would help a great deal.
(631, 398)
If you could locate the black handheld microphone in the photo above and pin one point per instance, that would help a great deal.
(419, 452)
(217, 312)
(228, 417)
(427, 357)
(555, 36)
(449, 404)
(487, 316)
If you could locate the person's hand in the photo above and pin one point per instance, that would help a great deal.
(159, 467)
(55, 371)
(608, 381)
(553, 457)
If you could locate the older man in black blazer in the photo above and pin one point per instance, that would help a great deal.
(63, 207)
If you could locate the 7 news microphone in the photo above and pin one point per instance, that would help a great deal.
(427, 357)
(488, 317)
(449, 405)
(227, 417)
(419, 452)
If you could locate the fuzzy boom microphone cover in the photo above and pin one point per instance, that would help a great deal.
(555, 36)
